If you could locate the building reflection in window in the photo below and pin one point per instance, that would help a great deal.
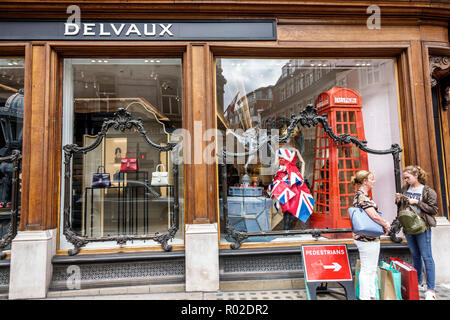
(11, 122)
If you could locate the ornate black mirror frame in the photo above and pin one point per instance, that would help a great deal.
(122, 121)
(15, 158)
(307, 118)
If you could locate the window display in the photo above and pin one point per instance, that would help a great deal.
(113, 186)
(256, 100)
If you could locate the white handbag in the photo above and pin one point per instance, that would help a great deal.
(160, 178)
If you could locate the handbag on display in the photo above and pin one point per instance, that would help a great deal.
(101, 180)
(362, 224)
(160, 178)
(411, 222)
(129, 164)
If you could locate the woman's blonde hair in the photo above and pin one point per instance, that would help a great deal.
(417, 171)
(360, 176)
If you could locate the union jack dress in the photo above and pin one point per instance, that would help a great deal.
(289, 189)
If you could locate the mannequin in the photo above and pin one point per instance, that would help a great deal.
(288, 186)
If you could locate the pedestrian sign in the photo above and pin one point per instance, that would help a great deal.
(327, 263)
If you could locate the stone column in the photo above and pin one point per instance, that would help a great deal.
(440, 238)
(202, 257)
(31, 266)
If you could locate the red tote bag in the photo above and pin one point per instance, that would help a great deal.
(410, 289)
(129, 164)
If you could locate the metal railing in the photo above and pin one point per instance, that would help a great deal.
(15, 160)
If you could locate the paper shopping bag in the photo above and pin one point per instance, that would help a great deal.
(356, 281)
(390, 283)
(410, 290)
(356, 278)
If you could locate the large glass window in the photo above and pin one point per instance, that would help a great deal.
(362, 101)
(11, 121)
(132, 204)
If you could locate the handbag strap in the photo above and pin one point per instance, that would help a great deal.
(351, 213)
(129, 152)
(98, 169)
(160, 165)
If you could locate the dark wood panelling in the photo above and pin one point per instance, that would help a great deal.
(443, 50)
(163, 9)
(117, 49)
(13, 49)
(201, 178)
(34, 141)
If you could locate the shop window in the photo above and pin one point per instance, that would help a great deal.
(132, 205)
(12, 72)
(328, 168)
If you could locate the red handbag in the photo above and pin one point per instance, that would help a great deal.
(129, 164)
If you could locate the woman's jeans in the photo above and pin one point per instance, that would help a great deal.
(420, 247)
(368, 256)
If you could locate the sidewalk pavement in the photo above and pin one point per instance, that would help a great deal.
(143, 293)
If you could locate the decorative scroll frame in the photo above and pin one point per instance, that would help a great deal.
(122, 121)
(439, 67)
(15, 158)
(308, 118)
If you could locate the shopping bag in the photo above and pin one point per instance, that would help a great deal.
(356, 278)
(410, 286)
(356, 281)
(129, 164)
(390, 282)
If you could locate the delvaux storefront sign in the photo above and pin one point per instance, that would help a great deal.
(146, 30)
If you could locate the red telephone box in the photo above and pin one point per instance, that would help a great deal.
(334, 164)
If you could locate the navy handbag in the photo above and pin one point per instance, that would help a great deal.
(362, 224)
(101, 180)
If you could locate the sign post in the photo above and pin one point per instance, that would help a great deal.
(327, 263)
